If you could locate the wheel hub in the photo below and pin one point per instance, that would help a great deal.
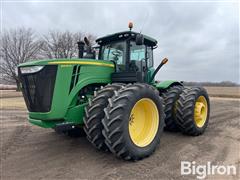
(143, 122)
(200, 111)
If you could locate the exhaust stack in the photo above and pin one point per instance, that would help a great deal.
(81, 45)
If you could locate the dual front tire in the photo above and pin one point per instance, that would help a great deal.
(94, 114)
(132, 122)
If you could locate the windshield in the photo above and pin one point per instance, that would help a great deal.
(114, 52)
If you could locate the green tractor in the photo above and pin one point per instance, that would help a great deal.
(113, 96)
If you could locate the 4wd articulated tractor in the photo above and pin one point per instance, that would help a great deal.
(114, 97)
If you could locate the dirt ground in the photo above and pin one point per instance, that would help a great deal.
(231, 92)
(30, 152)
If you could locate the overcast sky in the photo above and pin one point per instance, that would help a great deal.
(201, 40)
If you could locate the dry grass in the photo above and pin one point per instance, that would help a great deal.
(230, 92)
(10, 93)
(12, 103)
(8, 87)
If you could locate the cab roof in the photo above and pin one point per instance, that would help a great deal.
(125, 35)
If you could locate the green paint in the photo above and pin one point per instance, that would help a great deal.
(149, 75)
(166, 84)
(75, 114)
(44, 123)
(64, 108)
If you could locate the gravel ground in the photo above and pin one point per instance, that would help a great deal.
(30, 152)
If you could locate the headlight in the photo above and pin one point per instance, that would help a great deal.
(30, 69)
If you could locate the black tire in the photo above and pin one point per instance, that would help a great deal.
(170, 98)
(116, 121)
(185, 111)
(94, 114)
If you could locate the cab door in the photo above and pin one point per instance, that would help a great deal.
(141, 59)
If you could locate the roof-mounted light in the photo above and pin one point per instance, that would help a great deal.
(130, 25)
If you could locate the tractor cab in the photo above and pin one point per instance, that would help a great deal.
(132, 54)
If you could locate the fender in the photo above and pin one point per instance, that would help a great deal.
(166, 84)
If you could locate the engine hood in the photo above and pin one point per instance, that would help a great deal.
(68, 62)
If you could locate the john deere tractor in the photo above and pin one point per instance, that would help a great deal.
(113, 96)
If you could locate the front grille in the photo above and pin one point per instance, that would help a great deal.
(38, 88)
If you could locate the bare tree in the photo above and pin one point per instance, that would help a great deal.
(20, 45)
(17, 46)
(62, 44)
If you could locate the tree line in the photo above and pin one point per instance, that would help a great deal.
(24, 44)
(214, 84)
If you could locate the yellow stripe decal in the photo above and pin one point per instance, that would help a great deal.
(81, 62)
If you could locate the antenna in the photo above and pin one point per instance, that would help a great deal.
(145, 19)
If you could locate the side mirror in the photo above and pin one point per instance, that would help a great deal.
(139, 39)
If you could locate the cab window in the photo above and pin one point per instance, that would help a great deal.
(137, 53)
(114, 52)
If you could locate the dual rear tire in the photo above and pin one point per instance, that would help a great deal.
(193, 110)
(187, 109)
(170, 97)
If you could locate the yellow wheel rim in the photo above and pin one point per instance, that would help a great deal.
(143, 122)
(200, 111)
